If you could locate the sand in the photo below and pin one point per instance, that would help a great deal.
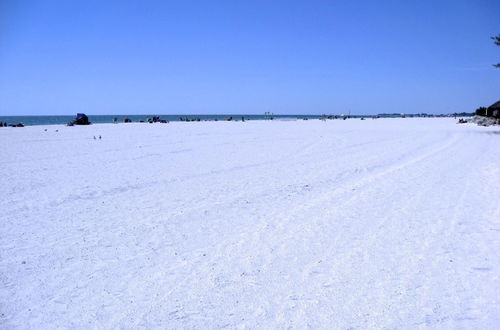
(389, 223)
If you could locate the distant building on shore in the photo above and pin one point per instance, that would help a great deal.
(491, 111)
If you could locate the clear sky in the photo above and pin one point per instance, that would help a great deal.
(288, 57)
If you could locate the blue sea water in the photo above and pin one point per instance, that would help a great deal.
(102, 119)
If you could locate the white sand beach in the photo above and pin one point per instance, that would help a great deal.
(388, 223)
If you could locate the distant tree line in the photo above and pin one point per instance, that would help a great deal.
(481, 111)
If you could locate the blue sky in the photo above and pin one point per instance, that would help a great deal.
(288, 57)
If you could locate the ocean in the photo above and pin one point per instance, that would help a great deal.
(102, 119)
